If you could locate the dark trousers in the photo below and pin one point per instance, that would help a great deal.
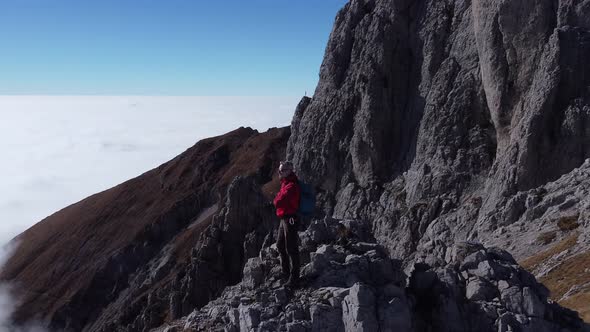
(288, 247)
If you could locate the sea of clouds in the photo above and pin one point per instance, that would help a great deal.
(57, 150)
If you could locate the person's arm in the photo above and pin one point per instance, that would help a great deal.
(285, 196)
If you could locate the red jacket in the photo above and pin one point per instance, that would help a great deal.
(287, 200)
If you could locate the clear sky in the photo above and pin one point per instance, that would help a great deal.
(163, 47)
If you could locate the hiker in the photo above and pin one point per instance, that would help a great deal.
(287, 203)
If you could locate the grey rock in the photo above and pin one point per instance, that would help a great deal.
(513, 300)
(500, 255)
(233, 319)
(299, 327)
(502, 285)
(269, 312)
(326, 318)
(175, 305)
(330, 253)
(507, 323)
(294, 312)
(437, 298)
(235, 301)
(491, 270)
(358, 309)
(253, 273)
(249, 317)
(365, 246)
(480, 290)
(338, 296)
(268, 326)
(462, 250)
(532, 304)
(472, 261)
(394, 314)
(317, 264)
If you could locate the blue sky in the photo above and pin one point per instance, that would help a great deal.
(164, 47)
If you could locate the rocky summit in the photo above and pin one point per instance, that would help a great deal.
(355, 286)
(452, 137)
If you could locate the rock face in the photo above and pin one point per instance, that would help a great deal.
(444, 97)
(478, 289)
(434, 120)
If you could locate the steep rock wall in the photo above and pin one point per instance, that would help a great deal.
(431, 110)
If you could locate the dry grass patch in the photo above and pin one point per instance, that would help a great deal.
(546, 237)
(532, 262)
(569, 223)
(579, 302)
(573, 271)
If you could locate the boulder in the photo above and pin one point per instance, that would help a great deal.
(358, 309)
(326, 318)
(253, 274)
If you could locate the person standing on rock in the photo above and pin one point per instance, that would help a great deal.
(286, 203)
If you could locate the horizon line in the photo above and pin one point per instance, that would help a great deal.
(141, 95)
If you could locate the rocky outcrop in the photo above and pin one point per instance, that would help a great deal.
(170, 291)
(355, 286)
(435, 120)
(441, 101)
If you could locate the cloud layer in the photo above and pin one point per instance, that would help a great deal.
(57, 150)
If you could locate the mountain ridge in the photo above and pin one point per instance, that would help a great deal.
(111, 233)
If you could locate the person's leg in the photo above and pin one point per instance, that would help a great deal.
(292, 247)
(282, 248)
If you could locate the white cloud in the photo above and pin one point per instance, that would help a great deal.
(8, 301)
(57, 150)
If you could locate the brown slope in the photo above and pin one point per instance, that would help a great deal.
(79, 258)
(563, 268)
